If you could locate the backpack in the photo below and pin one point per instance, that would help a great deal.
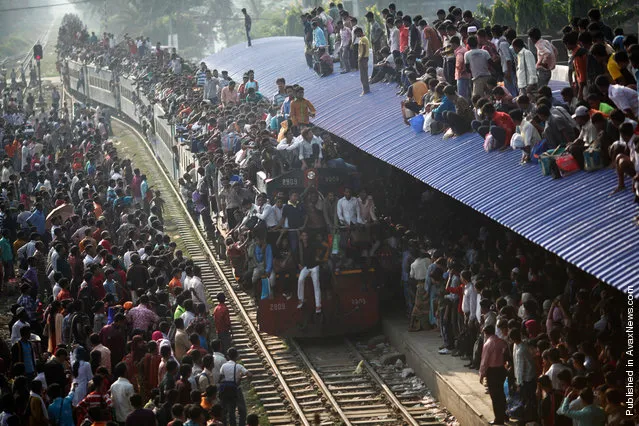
(228, 389)
(197, 379)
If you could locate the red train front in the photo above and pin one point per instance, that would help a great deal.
(349, 297)
(349, 305)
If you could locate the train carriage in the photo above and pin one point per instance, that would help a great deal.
(349, 296)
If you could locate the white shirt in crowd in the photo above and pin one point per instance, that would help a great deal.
(230, 370)
(270, 215)
(121, 391)
(526, 70)
(197, 288)
(469, 301)
(218, 361)
(624, 98)
(15, 330)
(419, 268)
(553, 373)
(348, 211)
(187, 317)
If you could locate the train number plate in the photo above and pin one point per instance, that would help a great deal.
(359, 301)
(278, 306)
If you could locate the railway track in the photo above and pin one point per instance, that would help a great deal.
(22, 59)
(323, 382)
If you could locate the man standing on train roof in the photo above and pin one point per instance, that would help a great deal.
(363, 51)
(247, 26)
(301, 111)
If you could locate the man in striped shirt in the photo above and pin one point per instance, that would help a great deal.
(200, 75)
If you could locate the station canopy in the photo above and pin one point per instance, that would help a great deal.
(575, 217)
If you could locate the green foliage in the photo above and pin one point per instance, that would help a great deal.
(13, 45)
(556, 12)
(72, 22)
(551, 15)
(292, 22)
(519, 14)
(502, 13)
(271, 24)
(620, 13)
(528, 14)
(579, 7)
(377, 15)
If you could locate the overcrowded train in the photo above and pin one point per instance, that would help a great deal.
(349, 290)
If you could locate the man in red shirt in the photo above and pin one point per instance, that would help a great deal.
(498, 124)
(403, 38)
(194, 338)
(222, 322)
(579, 59)
(113, 336)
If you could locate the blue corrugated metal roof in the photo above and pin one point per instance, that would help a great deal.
(575, 217)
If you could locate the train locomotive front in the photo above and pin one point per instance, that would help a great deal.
(349, 296)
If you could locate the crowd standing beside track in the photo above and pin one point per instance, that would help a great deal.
(513, 316)
(100, 281)
(112, 324)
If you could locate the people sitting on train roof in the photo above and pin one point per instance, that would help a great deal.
(513, 284)
(310, 149)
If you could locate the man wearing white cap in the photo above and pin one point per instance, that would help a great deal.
(587, 130)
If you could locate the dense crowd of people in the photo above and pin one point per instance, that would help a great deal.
(459, 75)
(552, 333)
(101, 282)
(111, 323)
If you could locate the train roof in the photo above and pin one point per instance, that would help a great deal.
(574, 217)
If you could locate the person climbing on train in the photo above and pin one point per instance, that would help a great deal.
(261, 253)
(309, 265)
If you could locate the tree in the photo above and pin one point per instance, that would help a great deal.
(528, 14)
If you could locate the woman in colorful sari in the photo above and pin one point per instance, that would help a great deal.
(54, 326)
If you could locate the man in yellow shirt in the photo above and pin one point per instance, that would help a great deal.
(615, 70)
(362, 57)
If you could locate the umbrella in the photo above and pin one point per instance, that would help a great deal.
(64, 212)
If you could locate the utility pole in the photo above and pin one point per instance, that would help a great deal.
(40, 98)
(105, 17)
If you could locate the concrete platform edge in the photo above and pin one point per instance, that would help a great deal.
(441, 389)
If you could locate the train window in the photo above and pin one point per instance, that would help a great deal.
(99, 83)
(164, 134)
(126, 93)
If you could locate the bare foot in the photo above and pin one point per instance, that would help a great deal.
(618, 189)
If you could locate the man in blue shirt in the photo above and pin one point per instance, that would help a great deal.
(263, 256)
(37, 219)
(286, 105)
(319, 40)
(22, 351)
(60, 410)
(590, 415)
